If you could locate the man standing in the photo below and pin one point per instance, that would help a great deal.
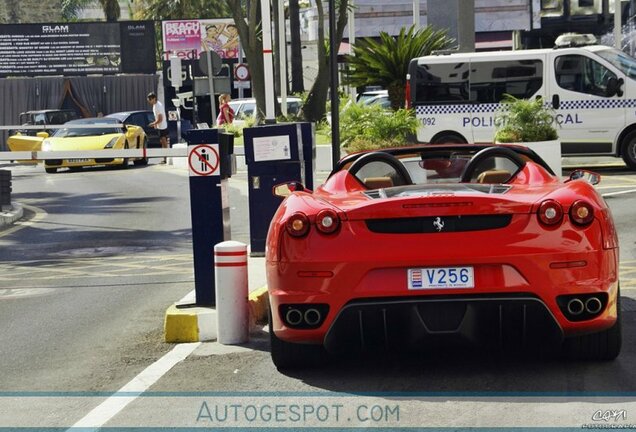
(160, 122)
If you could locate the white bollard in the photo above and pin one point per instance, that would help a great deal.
(230, 280)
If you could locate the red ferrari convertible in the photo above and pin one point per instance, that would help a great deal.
(475, 243)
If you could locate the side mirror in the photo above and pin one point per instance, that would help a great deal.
(588, 176)
(42, 134)
(124, 127)
(284, 190)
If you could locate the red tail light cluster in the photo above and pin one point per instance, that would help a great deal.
(297, 225)
(581, 213)
(550, 212)
(327, 222)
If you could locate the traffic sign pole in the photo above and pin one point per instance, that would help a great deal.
(209, 209)
(211, 88)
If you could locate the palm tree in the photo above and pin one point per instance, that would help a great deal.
(385, 62)
(181, 9)
(72, 8)
(314, 107)
(111, 9)
(297, 82)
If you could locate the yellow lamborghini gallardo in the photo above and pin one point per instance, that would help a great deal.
(101, 133)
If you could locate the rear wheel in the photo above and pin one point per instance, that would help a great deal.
(628, 152)
(287, 355)
(50, 170)
(604, 346)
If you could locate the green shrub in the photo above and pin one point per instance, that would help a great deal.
(523, 120)
(368, 127)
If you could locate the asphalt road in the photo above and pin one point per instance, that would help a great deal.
(84, 286)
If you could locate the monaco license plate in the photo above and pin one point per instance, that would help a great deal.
(441, 277)
(78, 160)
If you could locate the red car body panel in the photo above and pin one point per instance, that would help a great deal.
(523, 257)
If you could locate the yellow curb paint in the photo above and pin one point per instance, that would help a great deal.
(181, 325)
(258, 302)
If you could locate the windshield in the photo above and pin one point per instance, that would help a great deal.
(95, 127)
(78, 132)
(621, 60)
(59, 117)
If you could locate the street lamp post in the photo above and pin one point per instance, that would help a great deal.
(617, 25)
(333, 60)
(268, 65)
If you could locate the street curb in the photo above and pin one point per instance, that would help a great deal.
(189, 324)
(198, 324)
(8, 217)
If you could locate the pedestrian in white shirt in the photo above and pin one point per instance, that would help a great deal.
(160, 122)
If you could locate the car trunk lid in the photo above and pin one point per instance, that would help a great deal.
(436, 200)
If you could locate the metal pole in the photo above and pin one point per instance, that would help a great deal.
(352, 40)
(282, 57)
(333, 61)
(211, 88)
(178, 124)
(416, 14)
(617, 25)
(268, 65)
(240, 61)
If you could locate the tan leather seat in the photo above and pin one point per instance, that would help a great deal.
(493, 176)
(378, 182)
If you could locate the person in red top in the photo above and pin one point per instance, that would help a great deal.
(226, 113)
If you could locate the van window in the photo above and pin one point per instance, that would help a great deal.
(293, 107)
(582, 74)
(247, 109)
(441, 83)
(481, 82)
(490, 80)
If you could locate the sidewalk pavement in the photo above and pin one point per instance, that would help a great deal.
(11, 214)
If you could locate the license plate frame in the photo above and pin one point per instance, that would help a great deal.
(431, 278)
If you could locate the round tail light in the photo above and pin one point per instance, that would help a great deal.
(297, 225)
(550, 212)
(327, 221)
(582, 213)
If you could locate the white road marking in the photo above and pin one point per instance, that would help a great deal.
(11, 293)
(609, 194)
(108, 409)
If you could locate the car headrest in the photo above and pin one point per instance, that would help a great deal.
(493, 176)
(378, 182)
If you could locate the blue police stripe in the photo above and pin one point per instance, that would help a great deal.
(491, 108)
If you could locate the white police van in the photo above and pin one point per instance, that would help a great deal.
(592, 90)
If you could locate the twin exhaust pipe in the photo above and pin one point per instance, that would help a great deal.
(592, 306)
(311, 317)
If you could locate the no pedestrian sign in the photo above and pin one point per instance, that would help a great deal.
(204, 160)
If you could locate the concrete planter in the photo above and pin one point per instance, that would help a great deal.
(550, 151)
